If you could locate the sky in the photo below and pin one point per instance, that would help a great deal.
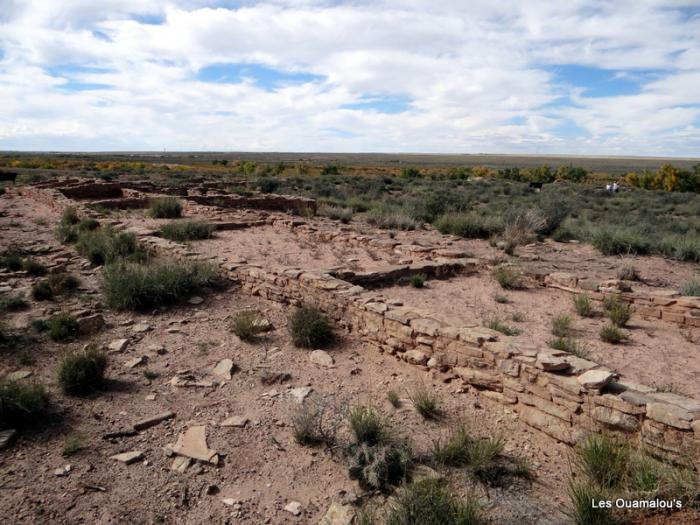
(581, 77)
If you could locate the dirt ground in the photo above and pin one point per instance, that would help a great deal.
(656, 354)
(262, 468)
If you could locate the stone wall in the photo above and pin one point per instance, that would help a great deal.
(269, 202)
(665, 304)
(555, 392)
(92, 190)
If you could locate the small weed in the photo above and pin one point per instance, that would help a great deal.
(72, 444)
(612, 334)
(249, 324)
(500, 299)
(417, 281)
(561, 326)
(429, 502)
(150, 375)
(425, 402)
(603, 459)
(619, 313)
(508, 278)
(62, 327)
(82, 372)
(22, 403)
(12, 303)
(368, 426)
(165, 208)
(495, 324)
(41, 291)
(518, 317)
(315, 424)
(310, 328)
(12, 260)
(583, 305)
(187, 231)
(628, 273)
(691, 288)
(34, 268)
(568, 344)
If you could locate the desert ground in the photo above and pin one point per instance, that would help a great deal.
(196, 423)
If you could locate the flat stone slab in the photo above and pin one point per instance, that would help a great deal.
(224, 369)
(595, 379)
(19, 374)
(153, 421)
(235, 421)
(118, 345)
(128, 457)
(193, 444)
(338, 514)
(133, 363)
(293, 507)
(300, 393)
(321, 358)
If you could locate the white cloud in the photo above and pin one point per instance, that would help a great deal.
(475, 73)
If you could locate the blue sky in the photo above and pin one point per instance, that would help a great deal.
(580, 77)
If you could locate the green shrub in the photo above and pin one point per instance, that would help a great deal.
(603, 459)
(508, 278)
(425, 402)
(41, 291)
(501, 299)
(187, 231)
(561, 326)
(248, 324)
(568, 344)
(135, 286)
(22, 403)
(691, 288)
(620, 242)
(12, 260)
(62, 282)
(66, 233)
(87, 224)
(582, 496)
(69, 216)
(165, 208)
(377, 467)
(468, 225)
(82, 372)
(392, 218)
(104, 246)
(72, 444)
(62, 327)
(429, 502)
(417, 281)
(495, 324)
(313, 425)
(628, 273)
(619, 313)
(12, 303)
(34, 268)
(310, 328)
(368, 426)
(336, 213)
(454, 451)
(583, 305)
(612, 334)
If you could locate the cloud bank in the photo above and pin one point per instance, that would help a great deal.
(578, 77)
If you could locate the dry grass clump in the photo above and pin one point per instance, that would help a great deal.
(425, 402)
(508, 278)
(165, 208)
(583, 305)
(82, 372)
(183, 231)
(249, 324)
(310, 328)
(21, 403)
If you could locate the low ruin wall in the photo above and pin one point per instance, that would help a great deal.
(270, 202)
(557, 393)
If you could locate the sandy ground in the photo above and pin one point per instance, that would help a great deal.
(262, 469)
(657, 354)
